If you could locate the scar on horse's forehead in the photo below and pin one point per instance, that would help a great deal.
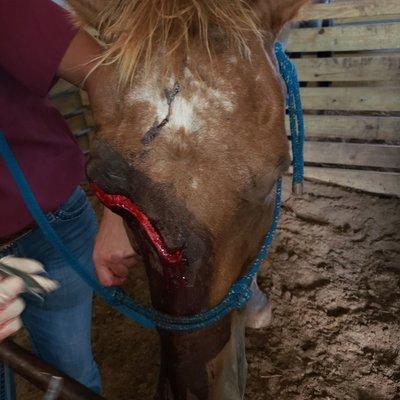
(193, 99)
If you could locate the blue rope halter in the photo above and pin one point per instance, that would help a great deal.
(240, 292)
(295, 109)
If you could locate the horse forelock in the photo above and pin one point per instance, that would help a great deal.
(144, 32)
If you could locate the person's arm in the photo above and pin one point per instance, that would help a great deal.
(34, 36)
(78, 63)
(39, 42)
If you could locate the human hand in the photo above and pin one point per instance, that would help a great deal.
(11, 305)
(113, 254)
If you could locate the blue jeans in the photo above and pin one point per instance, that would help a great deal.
(60, 327)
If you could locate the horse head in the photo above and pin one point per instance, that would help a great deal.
(189, 108)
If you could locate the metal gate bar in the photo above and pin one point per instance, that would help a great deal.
(39, 373)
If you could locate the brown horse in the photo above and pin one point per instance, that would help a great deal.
(189, 109)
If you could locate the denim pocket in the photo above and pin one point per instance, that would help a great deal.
(73, 208)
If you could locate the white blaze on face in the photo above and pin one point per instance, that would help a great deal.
(187, 106)
(150, 93)
(183, 114)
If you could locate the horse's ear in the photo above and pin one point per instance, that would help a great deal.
(274, 14)
(87, 11)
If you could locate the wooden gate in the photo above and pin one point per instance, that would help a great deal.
(350, 73)
(74, 106)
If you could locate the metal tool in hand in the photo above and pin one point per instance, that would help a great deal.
(31, 285)
(54, 389)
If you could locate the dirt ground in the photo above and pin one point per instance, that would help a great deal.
(334, 279)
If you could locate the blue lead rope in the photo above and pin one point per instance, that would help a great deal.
(295, 109)
(240, 292)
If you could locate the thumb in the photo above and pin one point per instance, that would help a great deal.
(105, 275)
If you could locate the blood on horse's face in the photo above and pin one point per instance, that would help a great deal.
(198, 155)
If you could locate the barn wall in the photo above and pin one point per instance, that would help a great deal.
(74, 106)
(350, 73)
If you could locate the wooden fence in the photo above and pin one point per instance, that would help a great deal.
(350, 73)
(74, 106)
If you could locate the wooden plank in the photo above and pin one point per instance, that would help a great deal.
(77, 122)
(89, 118)
(84, 98)
(68, 103)
(62, 86)
(366, 155)
(349, 69)
(374, 19)
(372, 85)
(351, 127)
(351, 98)
(350, 9)
(84, 142)
(345, 38)
(369, 181)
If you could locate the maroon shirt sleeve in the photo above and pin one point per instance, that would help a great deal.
(34, 36)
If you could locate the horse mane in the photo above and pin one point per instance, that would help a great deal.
(143, 32)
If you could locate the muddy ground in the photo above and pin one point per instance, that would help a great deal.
(334, 279)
